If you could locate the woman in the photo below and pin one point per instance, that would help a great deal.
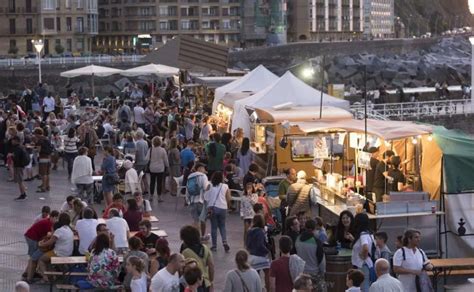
(206, 130)
(237, 140)
(163, 254)
(174, 159)
(81, 175)
(256, 245)
(244, 155)
(217, 199)
(136, 245)
(192, 248)
(361, 247)
(63, 241)
(157, 165)
(109, 174)
(244, 278)
(76, 212)
(136, 268)
(249, 199)
(345, 230)
(133, 215)
(103, 265)
(70, 149)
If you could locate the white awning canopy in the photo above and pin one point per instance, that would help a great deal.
(91, 70)
(151, 69)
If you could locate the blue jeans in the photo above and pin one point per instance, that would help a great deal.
(69, 157)
(366, 284)
(84, 285)
(218, 221)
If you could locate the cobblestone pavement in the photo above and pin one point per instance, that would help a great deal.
(16, 217)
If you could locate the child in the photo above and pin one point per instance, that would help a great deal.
(45, 211)
(135, 266)
(193, 277)
(320, 232)
(249, 198)
(354, 279)
(227, 158)
(382, 250)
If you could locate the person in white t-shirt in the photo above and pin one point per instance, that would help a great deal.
(206, 130)
(361, 248)
(218, 199)
(409, 261)
(119, 228)
(68, 204)
(197, 184)
(136, 267)
(86, 230)
(167, 279)
(139, 114)
(63, 241)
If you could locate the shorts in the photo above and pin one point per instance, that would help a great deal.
(139, 168)
(18, 174)
(44, 166)
(33, 251)
(196, 210)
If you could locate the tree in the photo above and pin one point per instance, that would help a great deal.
(13, 51)
(59, 49)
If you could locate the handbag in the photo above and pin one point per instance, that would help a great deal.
(112, 179)
(423, 283)
(147, 167)
(210, 209)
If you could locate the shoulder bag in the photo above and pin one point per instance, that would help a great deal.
(244, 285)
(210, 209)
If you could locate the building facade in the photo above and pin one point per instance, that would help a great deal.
(63, 25)
(137, 26)
(325, 20)
(379, 19)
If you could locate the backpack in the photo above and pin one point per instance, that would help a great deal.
(46, 147)
(24, 158)
(194, 189)
(123, 115)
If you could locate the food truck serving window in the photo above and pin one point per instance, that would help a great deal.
(302, 148)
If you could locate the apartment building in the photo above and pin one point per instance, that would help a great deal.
(63, 25)
(379, 18)
(325, 20)
(142, 25)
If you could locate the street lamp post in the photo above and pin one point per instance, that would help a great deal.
(471, 39)
(39, 45)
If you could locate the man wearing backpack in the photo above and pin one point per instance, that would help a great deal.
(196, 185)
(20, 159)
(44, 159)
(124, 115)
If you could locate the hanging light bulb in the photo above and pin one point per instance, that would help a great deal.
(414, 141)
(387, 143)
(430, 138)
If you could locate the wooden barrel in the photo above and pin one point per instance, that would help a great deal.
(336, 270)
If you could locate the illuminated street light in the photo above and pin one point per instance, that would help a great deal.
(39, 45)
(471, 39)
(308, 73)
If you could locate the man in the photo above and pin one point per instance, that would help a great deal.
(385, 282)
(283, 187)
(68, 205)
(124, 115)
(21, 158)
(189, 124)
(138, 113)
(45, 149)
(380, 187)
(215, 154)
(293, 229)
(410, 261)
(196, 185)
(370, 175)
(310, 249)
(251, 175)
(81, 175)
(102, 229)
(187, 154)
(167, 279)
(141, 150)
(86, 230)
(117, 203)
(119, 228)
(144, 206)
(298, 196)
(48, 105)
(148, 238)
(88, 138)
(280, 275)
(33, 236)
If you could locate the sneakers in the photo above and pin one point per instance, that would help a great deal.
(226, 247)
(205, 238)
(21, 197)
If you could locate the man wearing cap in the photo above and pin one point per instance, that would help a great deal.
(197, 184)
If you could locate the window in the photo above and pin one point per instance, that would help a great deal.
(49, 4)
(68, 24)
(12, 6)
(12, 44)
(29, 25)
(80, 45)
(12, 26)
(58, 23)
(225, 11)
(58, 42)
(28, 6)
(80, 5)
(226, 23)
(80, 24)
(185, 24)
(48, 23)
(29, 45)
(69, 45)
(163, 25)
(67, 4)
(163, 10)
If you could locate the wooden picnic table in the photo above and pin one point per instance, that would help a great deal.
(160, 233)
(152, 219)
(446, 266)
(73, 260)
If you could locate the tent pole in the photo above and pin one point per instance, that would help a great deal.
(365, 103)
(93, 87)
(322, 88)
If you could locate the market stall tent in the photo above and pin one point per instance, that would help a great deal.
(254, 81)
(91, 70)
(287, 89)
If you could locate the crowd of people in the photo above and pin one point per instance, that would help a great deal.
(147, 147)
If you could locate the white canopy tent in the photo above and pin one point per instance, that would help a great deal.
(151, 69)
(91, 70)
(254, 81)
(286, 90)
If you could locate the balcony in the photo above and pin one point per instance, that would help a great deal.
(84, 30)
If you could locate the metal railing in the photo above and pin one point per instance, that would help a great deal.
(70, 60)
(414, 110)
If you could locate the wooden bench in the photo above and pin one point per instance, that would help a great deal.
(454, 273)
(59, 273)
(68, 287)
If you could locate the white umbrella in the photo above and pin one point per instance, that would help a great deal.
(91, 70)
(151, 69)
